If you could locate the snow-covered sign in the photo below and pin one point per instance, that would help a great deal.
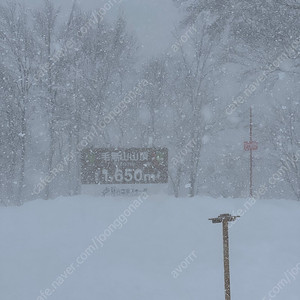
(250, 146)
(124, 166)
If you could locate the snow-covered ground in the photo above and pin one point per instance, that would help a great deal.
(138, 251)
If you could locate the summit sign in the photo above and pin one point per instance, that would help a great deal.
(124, 166)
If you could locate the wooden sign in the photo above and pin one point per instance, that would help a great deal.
(124, 166)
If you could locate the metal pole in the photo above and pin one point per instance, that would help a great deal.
(226, 259)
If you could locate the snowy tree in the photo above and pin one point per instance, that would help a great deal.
(17, 52)
(284, 135)
(197, 60)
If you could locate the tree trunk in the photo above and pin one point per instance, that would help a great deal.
(22, 158)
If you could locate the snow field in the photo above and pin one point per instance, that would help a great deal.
(42, 241)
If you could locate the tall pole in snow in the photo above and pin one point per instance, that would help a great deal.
(251, 146)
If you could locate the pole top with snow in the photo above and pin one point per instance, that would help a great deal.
(224, 217)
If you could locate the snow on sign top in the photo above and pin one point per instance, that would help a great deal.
(124, 166)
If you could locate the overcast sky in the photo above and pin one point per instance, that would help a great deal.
(151, 20)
